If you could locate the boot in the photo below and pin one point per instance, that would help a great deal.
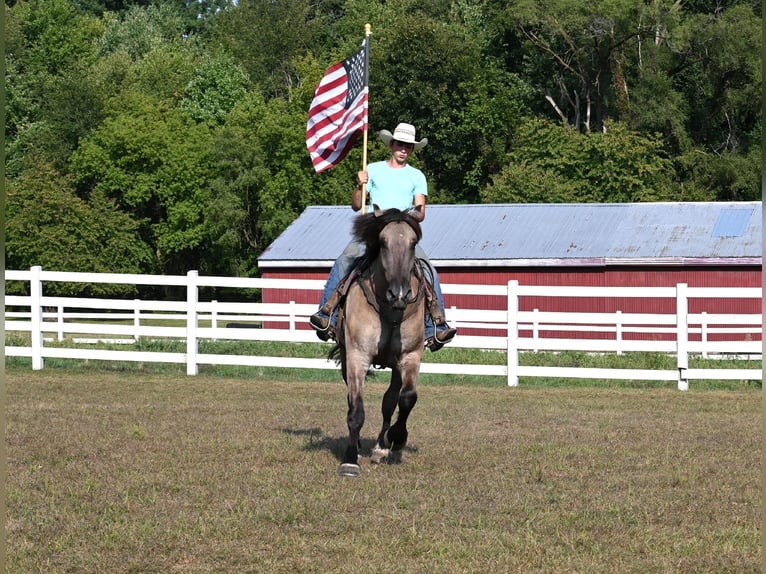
(320, 321)
(443, 333)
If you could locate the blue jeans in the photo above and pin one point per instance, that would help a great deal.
(344, 263)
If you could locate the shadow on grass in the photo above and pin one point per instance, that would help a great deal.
(317, 440)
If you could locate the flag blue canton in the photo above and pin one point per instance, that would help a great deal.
(354, 67)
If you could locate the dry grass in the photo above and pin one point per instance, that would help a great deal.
(111, 472)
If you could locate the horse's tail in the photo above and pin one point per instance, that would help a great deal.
(334, 354)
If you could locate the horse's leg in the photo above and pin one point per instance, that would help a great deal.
(390, 400)
(396, 436)
(354, 419)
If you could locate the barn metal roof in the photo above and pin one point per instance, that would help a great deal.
(583, 234)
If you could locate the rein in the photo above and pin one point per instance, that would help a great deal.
(366, 281)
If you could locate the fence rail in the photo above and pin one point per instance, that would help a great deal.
(513, 330)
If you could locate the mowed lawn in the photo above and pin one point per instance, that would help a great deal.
(128, 472)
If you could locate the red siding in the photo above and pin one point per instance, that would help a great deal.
(660, 276)
(611, 277)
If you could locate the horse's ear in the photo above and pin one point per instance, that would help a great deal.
(418, 208)
(377, 210)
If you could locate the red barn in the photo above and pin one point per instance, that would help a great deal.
(703, 244)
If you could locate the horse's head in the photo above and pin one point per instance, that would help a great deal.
(390, 237)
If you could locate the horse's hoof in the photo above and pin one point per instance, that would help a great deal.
(349, 469)
(395, 444)
(378, 454)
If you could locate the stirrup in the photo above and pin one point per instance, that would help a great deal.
(325, 332)
(440, 338)
(445, 335)
(433, 345)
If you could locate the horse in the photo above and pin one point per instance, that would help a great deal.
(381, 323)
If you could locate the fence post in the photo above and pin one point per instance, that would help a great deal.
(191, 322)
(36, 316)
(214, 318)
(513, 334)
(535, 328)
(703, 334)
(136, 320)
(618, 330)
(291, 317)
(60, 323)
(682, 335)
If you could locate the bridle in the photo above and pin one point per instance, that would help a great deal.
(368, 282)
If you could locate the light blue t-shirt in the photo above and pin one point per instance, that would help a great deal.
(394, 187)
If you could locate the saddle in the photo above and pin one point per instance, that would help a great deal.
(362, 271)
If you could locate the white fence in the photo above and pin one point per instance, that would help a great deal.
(681, 334)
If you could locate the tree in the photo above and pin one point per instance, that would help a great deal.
(48, 225)
(722, 75)
(155, 166)
(551, 163)
(218, 84)
(187, 120)
(49, 46)
(139, 30)
(426, 72)
(265, 37)
(264, 178)
(577, 56)
(53, 36)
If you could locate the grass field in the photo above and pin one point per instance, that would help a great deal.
(119, 472)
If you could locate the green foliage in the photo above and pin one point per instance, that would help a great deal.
(55, 35)
(425, 73)
(218, 84)
(264, 179)
(265, 37)
(155, 166)
(48, 225)
(554, 163)
(141, 29)
(724, 177)
(700, 80)
(187, 121)
(49, 45)
(162, 73)
(576, 55)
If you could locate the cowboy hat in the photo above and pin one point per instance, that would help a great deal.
(403, 133)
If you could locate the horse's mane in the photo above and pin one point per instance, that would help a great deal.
(367, 228)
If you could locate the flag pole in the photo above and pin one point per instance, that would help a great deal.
(367, 34)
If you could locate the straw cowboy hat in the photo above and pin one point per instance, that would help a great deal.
(403, 133)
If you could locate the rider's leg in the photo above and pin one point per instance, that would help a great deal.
(330, 296)
(443, 332)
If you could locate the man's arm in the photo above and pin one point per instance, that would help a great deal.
(356, 197)
(418, 210)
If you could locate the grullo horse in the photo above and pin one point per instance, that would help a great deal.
(381, 324)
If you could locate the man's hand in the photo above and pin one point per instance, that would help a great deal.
(356, 197)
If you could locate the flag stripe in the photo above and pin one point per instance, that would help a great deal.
(338, 112)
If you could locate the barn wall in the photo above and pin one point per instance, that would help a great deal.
(600, 277)
(628, 276)
(611, 277)
(297, 295)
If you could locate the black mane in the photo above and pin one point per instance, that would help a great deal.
(367, 228)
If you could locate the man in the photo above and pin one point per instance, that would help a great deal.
(391, 183)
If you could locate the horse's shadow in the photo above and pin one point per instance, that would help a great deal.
(317, 440)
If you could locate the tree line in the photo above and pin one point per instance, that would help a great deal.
(158, 137)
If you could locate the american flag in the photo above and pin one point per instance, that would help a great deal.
(338, 112)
